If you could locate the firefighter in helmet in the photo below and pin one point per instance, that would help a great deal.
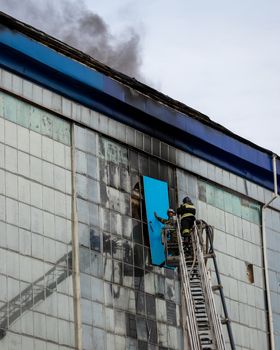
(171, 220)
(170, 227)
(186, 211)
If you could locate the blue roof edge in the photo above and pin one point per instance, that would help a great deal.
(70, 78)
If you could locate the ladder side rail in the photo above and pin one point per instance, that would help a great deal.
(191, 322)
(211, 310)
(206, 283)
(191, 319)
(222, 296)
(213, 315)
(187, 292)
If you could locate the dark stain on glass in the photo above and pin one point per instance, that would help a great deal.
(135, 202)
(164, 151)
(171, 177)
(117, 247)
(107, 269)
(103, 170)
(139, 140)
(115, 222)
(147, 143)
(96, 266)
(153, 168)
(171, 313)
(172, 155)
(140, 303)
(131, 330)
(146, 235)
(142, 331)
(107, 246)
(104, 195)
(147, 258)
(138, 279)
(143, 165)
(169, 290)
(138, 255)
(172, 198)
(142, 345)
(134, 180)
(151, 305)
(127, 207)
(127, 252)
(95, 242)
(102, 147)
(164, 172)
(155, 147)
(160, 285)
(137, 231)
(124, 180)
(152, 331)
(117, 272)
(133, 161)
(114, 176)
(143, 207)
(128, 270)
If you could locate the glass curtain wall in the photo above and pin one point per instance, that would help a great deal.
(126, 302)
(238, 247)
(36, 304)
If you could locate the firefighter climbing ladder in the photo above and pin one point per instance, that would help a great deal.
(203, 323)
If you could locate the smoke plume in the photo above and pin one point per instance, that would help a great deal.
(73, 23)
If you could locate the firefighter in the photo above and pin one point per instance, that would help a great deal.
(170, 225)
(186, 211)
(171, 218)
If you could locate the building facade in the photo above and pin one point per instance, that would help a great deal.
(76, 138)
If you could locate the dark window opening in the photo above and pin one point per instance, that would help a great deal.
(250, 273)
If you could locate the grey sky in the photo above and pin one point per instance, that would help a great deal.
(220, 57)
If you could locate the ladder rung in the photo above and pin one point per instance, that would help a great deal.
(204, 333)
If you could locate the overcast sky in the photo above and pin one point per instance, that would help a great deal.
(219, 57)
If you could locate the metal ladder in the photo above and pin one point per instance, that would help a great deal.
(204, 325)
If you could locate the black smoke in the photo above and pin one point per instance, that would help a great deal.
(73, 23)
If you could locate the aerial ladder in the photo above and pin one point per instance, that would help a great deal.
(204, 324)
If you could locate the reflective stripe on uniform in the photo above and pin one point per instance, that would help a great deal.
(185, 231)
(188, 206)
(186, 215)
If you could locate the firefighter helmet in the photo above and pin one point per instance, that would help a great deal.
(170, 210)
(187, 200)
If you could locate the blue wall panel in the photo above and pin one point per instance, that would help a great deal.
(156, 200)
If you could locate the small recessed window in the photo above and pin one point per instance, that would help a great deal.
(250, 273)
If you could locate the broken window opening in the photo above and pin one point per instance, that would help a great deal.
(250, 272)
